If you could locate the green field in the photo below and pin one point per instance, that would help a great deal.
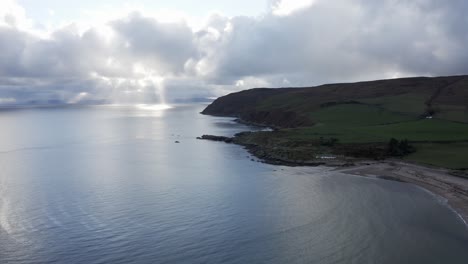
(405, 103)
(357, 123)
(439, 141)
(358, 115)
(451, 155)
(418, 130)
(451, 112)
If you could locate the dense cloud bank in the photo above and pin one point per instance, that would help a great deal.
(140, 58)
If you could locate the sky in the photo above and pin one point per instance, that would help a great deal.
(56, 10)
(145, 51)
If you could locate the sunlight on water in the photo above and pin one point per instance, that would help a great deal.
(153, 107)
(149, 107)
(151, 110)
(108, 184)
(4, 222)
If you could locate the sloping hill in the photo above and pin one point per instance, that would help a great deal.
(446, 96)
(362, 117)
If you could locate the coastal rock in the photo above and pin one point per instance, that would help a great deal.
(216, 138)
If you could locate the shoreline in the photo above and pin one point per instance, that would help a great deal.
(437, 181)
(441, 182)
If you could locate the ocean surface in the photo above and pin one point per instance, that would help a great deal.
(108, 184)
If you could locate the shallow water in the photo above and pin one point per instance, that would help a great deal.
(110, 185)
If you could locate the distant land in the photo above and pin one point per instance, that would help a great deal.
(413, 130)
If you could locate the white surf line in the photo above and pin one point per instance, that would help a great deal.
(443, 201)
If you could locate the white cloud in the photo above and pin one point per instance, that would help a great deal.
(251, 81)
(13, 15)
(287, 7)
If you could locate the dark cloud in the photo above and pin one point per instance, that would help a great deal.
(348, 40)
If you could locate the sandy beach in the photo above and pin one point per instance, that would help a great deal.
(437, 180)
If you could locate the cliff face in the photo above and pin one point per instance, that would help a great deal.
(241, 102)
(244, 105)
(292, 107)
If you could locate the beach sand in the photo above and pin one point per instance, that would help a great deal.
(437, 180)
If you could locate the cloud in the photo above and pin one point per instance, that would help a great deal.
(136, 57)
(164, 47)
(286, 7)
(342, 40)
(13, 15)
(122, 61)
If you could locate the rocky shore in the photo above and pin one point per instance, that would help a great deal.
(216, 138)
(277, 155)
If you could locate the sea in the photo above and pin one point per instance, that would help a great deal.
(132, 184)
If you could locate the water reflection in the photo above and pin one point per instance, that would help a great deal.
(157, 107)
(110, 185)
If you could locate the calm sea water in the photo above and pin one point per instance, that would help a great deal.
(110, 185)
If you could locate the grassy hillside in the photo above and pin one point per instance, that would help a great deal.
(361, 116)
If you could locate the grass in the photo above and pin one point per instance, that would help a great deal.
(452, 112)
(419, 130)
(442, 141)
(358, 115)
(405, 103)
(302, 143)
(448, 155)
(415, 104)
(422, 130)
